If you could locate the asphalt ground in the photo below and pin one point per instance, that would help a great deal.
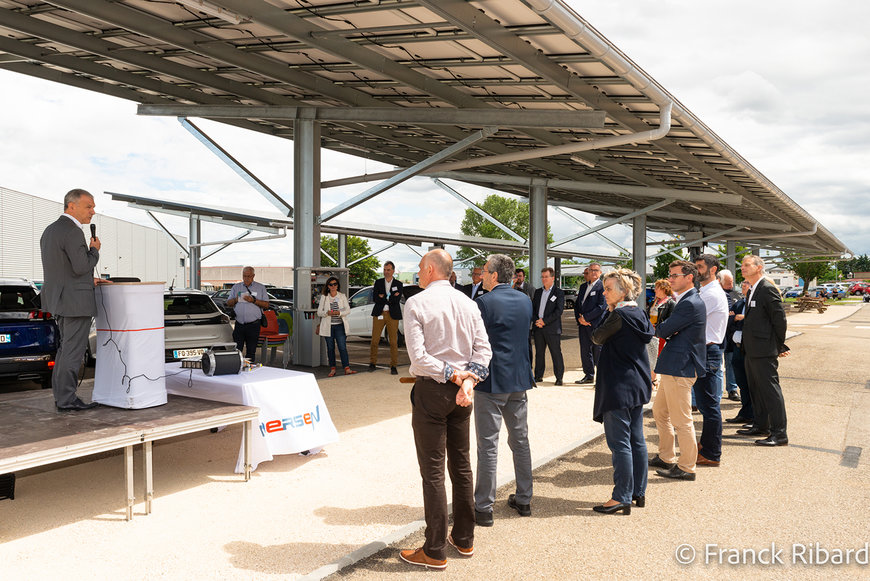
(800, 501)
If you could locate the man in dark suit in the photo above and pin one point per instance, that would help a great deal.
(590, 309)
(387, 311)
(547, 307)
(521, 284)
(763, 342)
(475, 289)
(68, 292)
(506, 315)
(681, 361)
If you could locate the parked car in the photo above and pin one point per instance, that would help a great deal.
(360, 317)
(28, 335)
(220, 299)
(282, 293)
(570, 297)
(192, 323)
(859, 288)
(833, 291)
(794, 293)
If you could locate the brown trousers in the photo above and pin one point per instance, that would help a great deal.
(672, 411)
(392, 333)
(442, 426)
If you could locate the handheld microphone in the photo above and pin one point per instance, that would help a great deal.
(93, 231)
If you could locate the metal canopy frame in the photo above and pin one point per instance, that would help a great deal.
(423, 61)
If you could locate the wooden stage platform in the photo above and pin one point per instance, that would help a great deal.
(33, 433)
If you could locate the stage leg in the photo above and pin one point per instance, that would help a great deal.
(149, 476)
(128, 478)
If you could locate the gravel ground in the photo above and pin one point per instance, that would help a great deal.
(298, 515)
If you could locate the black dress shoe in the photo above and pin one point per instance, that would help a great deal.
(736, 420)
(558, 382)
(625, 508)
(753, 432)
(372, 367)
(779, 440)
(657, 462)
(77, 405)
(523, 509)
(676, 473)
(539, 379)
(734, 396)
(640, 501)
(394, 371)
(483, 519)
(586, 379)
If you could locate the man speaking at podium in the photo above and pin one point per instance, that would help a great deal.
(68, 292)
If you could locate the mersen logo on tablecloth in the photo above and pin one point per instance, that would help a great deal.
(299, 421)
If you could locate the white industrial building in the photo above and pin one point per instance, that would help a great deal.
(128, 249)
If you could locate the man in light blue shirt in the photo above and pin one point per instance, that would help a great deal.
(248, 299)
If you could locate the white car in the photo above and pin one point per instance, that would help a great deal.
(360, 317)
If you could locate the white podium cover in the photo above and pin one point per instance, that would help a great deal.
(293, 415)
(130, 345)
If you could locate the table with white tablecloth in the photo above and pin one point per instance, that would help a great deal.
(293, 416)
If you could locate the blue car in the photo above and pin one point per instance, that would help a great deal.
(794, 293)
(28, 335)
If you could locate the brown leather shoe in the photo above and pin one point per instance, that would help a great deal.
(419, 558)
(702, 461)
(465, 552)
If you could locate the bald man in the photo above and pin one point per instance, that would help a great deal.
(449, 351)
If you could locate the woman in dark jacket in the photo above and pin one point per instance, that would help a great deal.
(622, 387)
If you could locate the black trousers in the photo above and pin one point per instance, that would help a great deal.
(767, 401)
(247, 337)
(554, 343)
(441, 426)
(589, 351)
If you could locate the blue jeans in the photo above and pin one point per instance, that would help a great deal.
(338, 336)
(708, 392)
(623, 430)
(730, 381)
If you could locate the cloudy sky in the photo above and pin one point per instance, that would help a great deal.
(781, 82)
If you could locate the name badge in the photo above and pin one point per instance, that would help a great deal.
(395, 288)
(751, 303)
(592, 293)
(552, 299)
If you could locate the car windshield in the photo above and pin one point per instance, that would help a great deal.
(187, 305)
(17, 298)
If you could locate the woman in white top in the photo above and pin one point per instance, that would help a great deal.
(333, 311)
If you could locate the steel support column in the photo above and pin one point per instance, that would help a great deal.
(342, 250)
(537, 233)
(306, 236)
(194, 237)
(730, 258)
(638, 246)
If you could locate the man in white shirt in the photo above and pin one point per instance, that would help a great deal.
(708, 389)
(248, 299)
(448, 347)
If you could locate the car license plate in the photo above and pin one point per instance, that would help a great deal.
(185, 353)
(6, 338)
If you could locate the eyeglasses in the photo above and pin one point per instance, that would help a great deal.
(332, 284)
(676, 275)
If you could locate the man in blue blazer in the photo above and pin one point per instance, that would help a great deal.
(682, 360)
(547, 307)
(507, 314)
(68, 262)
(590, 309)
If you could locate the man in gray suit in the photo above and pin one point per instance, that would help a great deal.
(68, 292)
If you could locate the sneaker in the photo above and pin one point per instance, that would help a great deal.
(419, 558)
(465, 552)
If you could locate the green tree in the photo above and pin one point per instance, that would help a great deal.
(660, 268)
(854, 265)
(511, 212)
(807, 270)
(739, 253)
(364, 272)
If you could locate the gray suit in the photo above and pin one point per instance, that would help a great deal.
(68, 294)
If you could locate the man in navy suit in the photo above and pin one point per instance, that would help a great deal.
(506, 315)
(590, 309)
(475, 289)
(547, 307)
(682, 360)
